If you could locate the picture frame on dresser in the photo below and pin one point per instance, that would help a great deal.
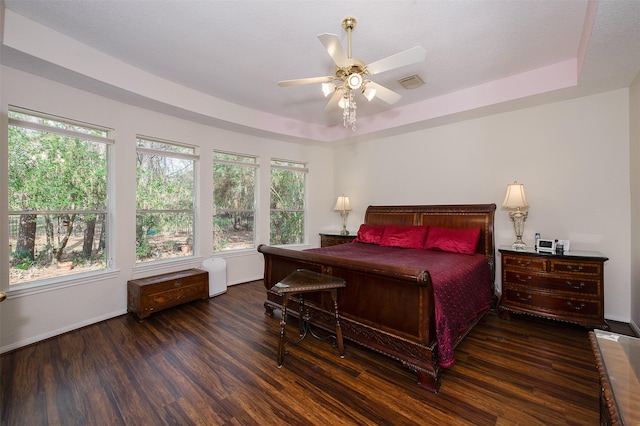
(565, 287)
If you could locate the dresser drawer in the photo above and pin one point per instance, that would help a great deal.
(563, 283)
(328, 240)
(567, 308)
(574, 267)
(538, 264)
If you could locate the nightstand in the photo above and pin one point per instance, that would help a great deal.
(333, 239)
(567, 287)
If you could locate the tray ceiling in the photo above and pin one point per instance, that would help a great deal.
(234, 53)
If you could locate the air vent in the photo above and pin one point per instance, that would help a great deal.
(411, 82)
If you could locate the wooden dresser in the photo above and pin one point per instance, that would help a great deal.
(567, 287)
(333, 239)
(152, 294)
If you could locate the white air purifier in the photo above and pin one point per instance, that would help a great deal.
(217, 269)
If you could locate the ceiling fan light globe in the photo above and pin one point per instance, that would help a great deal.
(354, 81)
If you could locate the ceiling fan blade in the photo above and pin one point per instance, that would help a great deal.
(300, 81)
(384, 94)
(331, 42)
(407, 57)
(333, 102)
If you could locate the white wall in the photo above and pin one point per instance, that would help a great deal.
(572, 157)
(30, 315)
(634, 151)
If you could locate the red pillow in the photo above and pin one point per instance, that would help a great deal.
(370, 234)
(404, 236)
(453, 240)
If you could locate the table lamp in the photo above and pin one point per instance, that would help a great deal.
(344, 207)
(516, 202)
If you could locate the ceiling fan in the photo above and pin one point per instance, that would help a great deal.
(351, 74)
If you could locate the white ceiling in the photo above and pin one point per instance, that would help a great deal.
(237, 51)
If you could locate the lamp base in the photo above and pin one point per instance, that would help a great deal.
(519, 245)
(518, 217)
(343, 215)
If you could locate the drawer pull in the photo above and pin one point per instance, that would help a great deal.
(524, 299)
(523, 280)
(576, 286)
(177, 284)
(576, 308)
(520, 262)
(577, 268)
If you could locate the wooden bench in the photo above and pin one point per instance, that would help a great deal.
(301, 282)
(152, 294)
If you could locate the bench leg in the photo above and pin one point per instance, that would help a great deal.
(301, 316)
(283, 324)
(334, 296)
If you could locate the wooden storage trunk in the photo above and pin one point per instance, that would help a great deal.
(152, 294)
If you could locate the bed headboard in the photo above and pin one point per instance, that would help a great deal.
(448, 216)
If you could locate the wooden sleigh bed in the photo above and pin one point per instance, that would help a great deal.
(389, 304)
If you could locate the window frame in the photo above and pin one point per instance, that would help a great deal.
(195, 157)
(254, 165)
(108, 141)
(300, 167)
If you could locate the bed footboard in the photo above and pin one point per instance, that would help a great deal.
(406, 335)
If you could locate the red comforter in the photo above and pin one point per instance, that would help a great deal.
(461, 284)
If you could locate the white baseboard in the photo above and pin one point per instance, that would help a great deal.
(245, 280)
(53, 333)
(615, 318)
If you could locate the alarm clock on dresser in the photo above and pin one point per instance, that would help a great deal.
(546, 246)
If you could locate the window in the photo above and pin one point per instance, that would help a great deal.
(165, 207)
(58, 190)
(287, 202)
(234, 183)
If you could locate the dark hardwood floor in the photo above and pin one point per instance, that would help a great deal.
(214, 363)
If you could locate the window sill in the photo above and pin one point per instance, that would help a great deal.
(52, 284)
(234, 253)
(293, 246)
(166, 266)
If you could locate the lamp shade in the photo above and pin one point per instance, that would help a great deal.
(515, 198)
(369, 93)
(344, 101)
(342, 204)
(328, 88)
